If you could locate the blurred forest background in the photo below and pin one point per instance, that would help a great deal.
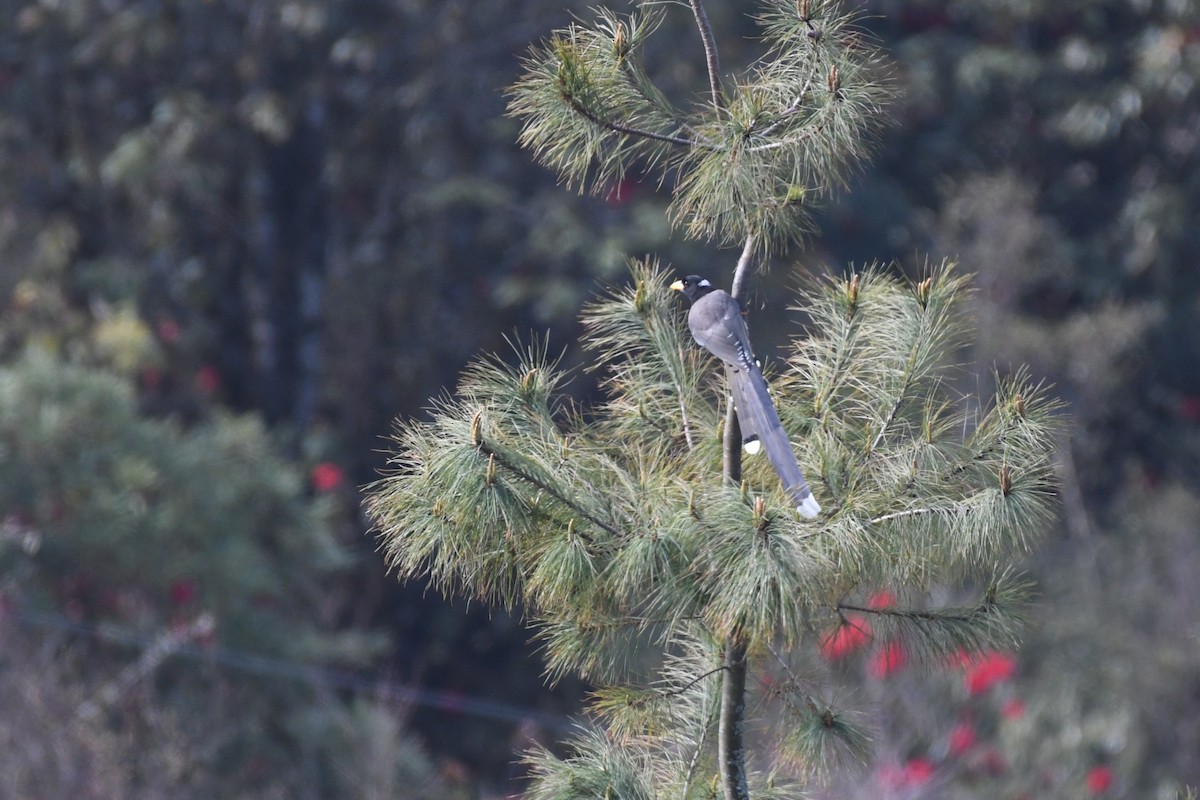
(237, 239)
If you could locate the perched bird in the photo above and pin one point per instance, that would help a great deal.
(716, 323)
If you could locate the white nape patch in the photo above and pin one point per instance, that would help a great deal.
(704, 283)
(809, 508)
(753, 447)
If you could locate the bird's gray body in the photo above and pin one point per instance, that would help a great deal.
(717, 325)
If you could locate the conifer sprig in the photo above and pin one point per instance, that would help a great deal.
(754, 161)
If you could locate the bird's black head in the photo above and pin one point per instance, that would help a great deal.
(693, 287)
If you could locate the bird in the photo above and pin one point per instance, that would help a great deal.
(716, 322)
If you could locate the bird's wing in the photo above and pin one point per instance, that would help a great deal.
(717, 325)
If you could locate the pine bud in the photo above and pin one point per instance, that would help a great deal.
(529, 381)
(477, 429)
(490, 477)
(620, 41)
(834, 80)
(804, 10)
(852, 292)
(641, 297)
(761, 520)
(1019, 405)
(923, 289)
(1005, 480)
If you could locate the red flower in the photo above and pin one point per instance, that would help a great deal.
(168, 330)
(914, 772)
(886, 660)
(208, 379)
(918, 771)
(982, 671)
(961, 739)
(1099, 779)
(620, 193)
(993, 762)
(988, 669)
(851, 635)
(182, 591)
(881, 599)
(151, 378)
(1189, 407)
(1012, 709)
(327, 476)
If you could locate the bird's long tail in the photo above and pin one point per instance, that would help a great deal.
(757, 417)
(751, 441)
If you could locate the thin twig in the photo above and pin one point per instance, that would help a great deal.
(911, 512)
(793, 108)
(545, 486)
(691, 771)
(710, 52)
(692, 682)
(617, 127)
(909, 368)
(793, 680)
(965, 615)
(1078, 520)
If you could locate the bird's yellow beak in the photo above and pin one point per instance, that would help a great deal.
(677, 286)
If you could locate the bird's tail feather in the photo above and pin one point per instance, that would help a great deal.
(757, 415)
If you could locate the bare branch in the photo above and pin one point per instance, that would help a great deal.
(743, 266)
(710, 52)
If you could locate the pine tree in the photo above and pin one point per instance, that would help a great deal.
(651, 563)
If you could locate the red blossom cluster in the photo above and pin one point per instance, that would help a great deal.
(855, 631)
(1099, 779)
(327, 476)
(911, 774)
(982, 671)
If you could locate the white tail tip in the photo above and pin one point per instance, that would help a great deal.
(809, 508)
(753, 447)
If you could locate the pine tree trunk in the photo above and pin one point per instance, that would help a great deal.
(731, 743)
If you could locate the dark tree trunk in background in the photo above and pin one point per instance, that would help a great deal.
(286, 296)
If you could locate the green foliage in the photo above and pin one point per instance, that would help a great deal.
(754, 162)
(147, 526)
(612, 524)
(213, 505)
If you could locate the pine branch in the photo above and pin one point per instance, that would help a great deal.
(627, 130)
(932, 634)
(546, 486)
(710, 52)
